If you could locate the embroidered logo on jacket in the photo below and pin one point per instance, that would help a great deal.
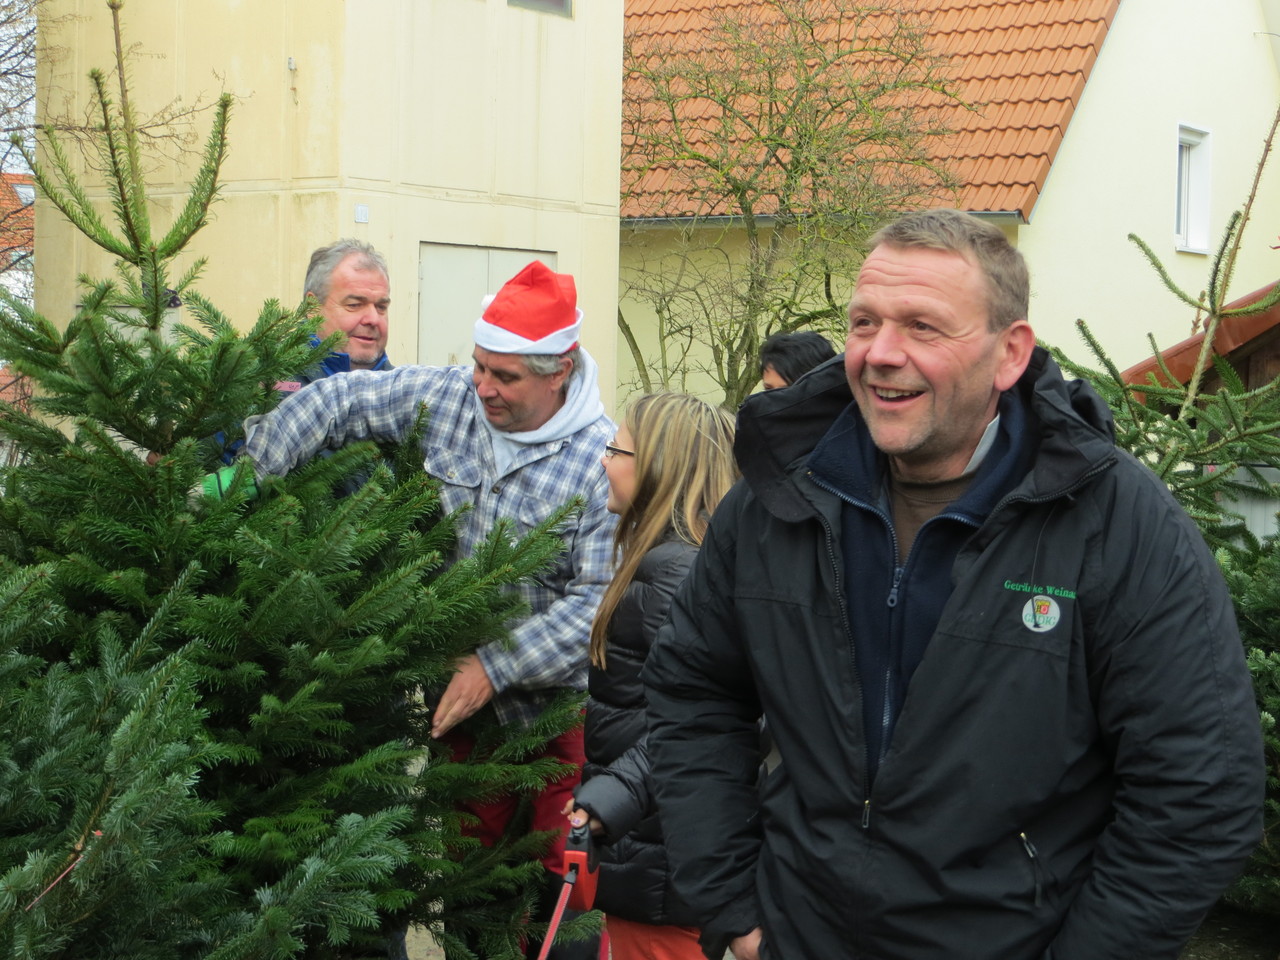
(1041, 613)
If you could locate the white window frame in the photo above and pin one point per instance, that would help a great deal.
(1192, 181)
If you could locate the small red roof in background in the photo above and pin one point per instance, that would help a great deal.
(17, 236)
(1232, 333)
(1022, 63)
(14, 390)
(17, 213)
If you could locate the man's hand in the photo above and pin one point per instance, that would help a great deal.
(747, 947)
(468, 691)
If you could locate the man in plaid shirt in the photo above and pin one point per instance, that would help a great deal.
(516, 436)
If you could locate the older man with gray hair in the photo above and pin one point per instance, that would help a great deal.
(350, 282)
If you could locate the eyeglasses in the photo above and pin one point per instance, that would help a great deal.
(611, 451)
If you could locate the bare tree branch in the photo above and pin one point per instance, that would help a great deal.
(787, 130)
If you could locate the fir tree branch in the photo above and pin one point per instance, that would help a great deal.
(204, 188)
(1250, 197)
(129, 205)
(74, 204)
(1164, 274)
(1218, 278)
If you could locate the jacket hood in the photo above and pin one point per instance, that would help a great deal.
(1075, 426)
(779, 428)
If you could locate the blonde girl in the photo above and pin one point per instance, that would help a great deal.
(669, 464)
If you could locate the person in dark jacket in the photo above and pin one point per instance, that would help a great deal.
(668, 466)
(1001, 667)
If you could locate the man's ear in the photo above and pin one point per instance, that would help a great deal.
(561, 376)
(1015, 345)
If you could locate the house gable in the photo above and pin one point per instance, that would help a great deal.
(1019, 68)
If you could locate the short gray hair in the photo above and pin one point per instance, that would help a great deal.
(545, 364)
(325, 260)
(1005, 270)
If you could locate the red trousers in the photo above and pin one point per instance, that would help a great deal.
(548, 804)
(629, 940)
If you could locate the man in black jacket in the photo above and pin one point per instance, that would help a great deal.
(999, 664)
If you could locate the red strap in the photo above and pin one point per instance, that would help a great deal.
(558, 915)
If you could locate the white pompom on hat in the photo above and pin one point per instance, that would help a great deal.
(535, 312)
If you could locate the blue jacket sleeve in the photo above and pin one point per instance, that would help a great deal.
(549, 649)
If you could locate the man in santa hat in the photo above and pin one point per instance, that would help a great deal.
(514, 436)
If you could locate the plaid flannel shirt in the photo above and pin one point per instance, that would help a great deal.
(549, 647)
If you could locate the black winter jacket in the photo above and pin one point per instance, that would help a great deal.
(634, 881)
(1075, 772)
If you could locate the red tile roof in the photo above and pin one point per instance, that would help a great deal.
(17, 216)
(17, 236)
(1022, 64)
(1232, 333)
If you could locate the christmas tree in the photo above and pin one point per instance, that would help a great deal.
(1210, 448)
(214, 739)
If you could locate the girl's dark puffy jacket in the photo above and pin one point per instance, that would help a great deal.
(634, 876)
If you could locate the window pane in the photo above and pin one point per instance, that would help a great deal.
(564, 7)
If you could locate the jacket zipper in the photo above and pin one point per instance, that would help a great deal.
(891, 601)
(897, 578)
(886, 713)
(1035, 865)
(842, 603)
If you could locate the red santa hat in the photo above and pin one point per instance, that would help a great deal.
(535, 312)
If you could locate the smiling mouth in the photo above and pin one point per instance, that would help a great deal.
(884, 393)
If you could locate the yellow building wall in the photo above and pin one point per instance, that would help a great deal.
(465, 122)
(652, 259)
(650, 251)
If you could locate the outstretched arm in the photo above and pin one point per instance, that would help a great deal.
(335, 411)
